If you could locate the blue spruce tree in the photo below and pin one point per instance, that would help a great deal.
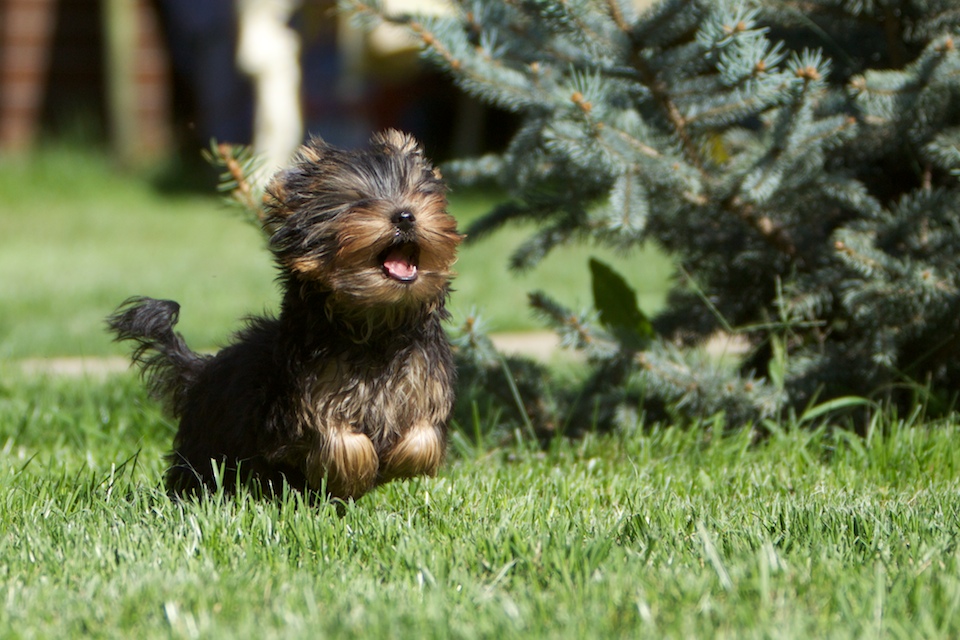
(798, 159)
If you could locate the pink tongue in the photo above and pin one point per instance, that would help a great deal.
(398, 265)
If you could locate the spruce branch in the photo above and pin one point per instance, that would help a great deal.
(518, 385)
(866, 264)
(661, 94)
(737, 108)
(616, 14)
(578, 331)
(893, 30)
(637, 144)
(775, 235)
(575, 327)
(426, 36)
(472, 342)
(562, 14)
(242, 192)
(431, 42)
(238, 164)
(692, 383)
(472, 66)
(772, 233)
(759, 169)
(657, 87)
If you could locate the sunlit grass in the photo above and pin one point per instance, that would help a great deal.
(662, 532)
(77, 238)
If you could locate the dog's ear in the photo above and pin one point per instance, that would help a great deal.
(282, 185)
(393, 141)
(315, 151)
(275, 199)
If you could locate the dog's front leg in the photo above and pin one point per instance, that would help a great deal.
(419, 451)
(346, 459)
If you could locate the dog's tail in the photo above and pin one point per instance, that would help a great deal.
(166, 363)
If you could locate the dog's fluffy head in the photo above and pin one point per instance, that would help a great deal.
(370, 226)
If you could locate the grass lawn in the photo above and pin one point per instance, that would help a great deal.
(660, 532)
(77, 238)
(667, 533)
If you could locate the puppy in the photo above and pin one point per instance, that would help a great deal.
(351, 385)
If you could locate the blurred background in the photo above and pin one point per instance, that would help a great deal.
(158, 77)
(105, 107)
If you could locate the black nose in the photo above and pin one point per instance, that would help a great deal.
(404, 220)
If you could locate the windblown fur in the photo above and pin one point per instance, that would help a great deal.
(351, 385)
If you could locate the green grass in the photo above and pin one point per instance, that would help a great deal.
(77, 237)
(661, 532)
(489, 287)
(668, 533)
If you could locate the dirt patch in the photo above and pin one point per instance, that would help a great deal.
(539, 345)
(76, 367)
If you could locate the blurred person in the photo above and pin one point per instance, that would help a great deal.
(269, 53)
(202, 37)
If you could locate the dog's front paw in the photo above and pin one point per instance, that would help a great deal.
(419, 452)
(346, 460)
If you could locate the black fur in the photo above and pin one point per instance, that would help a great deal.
(371, 367)
(165, 361)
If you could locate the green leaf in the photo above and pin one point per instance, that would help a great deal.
(835, 405)
(617, 305)
(778, 362)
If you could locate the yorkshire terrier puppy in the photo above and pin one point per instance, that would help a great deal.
(351, 385)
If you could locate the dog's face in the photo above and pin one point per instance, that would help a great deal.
(370, 226)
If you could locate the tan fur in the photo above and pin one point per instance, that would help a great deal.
(305, 265)
(418, 452)
(402, 412)
(355, 273)
(402, 142)
(309, 154)
(388, 405)
(347, 461)
(374, 424)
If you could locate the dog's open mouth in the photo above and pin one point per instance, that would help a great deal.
(400, 262)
